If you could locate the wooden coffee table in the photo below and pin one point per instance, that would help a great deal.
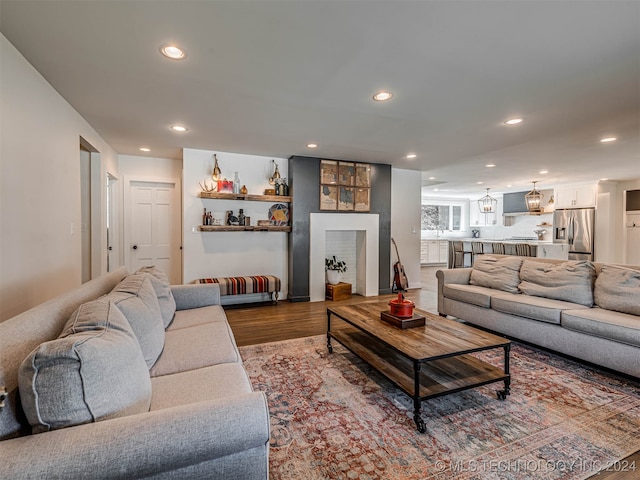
(425, 362)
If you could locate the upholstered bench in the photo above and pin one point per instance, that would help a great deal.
(246, 285)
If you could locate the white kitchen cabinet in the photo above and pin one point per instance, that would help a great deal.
(558, 251)
(434, 251)
(576, 196)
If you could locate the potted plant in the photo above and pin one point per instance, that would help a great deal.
(335, 268)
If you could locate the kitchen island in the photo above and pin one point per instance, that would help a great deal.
(462, 251)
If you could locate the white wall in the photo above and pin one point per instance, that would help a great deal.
(40, 187)
(406, 195)
(223, 254)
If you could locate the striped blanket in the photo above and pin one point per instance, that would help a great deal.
(242, 285)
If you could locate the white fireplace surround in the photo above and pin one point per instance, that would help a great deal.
(367, 250)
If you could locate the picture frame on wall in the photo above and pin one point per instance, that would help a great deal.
(328, 197)
(362, 201)
(346, 199)
(362, 175)
(328, 172)
(346, 173)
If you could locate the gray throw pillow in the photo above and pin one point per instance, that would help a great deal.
(500, 273)
(93, 371)
(135, 297)
(618, 289)
(160, 284)
(570, 281)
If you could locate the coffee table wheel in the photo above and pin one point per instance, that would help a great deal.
(420, 424)
(330, 347)
(502, 394)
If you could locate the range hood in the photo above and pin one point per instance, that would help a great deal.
(513, 204)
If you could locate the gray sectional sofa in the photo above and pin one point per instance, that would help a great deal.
(590, 311)
(127, 377)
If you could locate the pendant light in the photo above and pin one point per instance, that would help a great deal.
(487, 204)
(533, 199)
(215, 176)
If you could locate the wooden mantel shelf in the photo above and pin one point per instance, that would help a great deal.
(238, 228)
(246, 196)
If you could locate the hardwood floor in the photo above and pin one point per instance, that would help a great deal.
(272, 323)
(286, 320)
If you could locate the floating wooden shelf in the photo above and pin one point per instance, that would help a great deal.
(246, 196)
(238, 228)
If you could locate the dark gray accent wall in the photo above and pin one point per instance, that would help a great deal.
(304, 185)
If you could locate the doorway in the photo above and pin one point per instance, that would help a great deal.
(90, 212)
(153, 226)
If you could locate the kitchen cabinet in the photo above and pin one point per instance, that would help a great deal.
(434, 251)
(559, 251)
(576, 196)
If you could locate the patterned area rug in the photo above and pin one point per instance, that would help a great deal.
(333, 417)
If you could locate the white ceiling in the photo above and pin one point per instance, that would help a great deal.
(268, 77)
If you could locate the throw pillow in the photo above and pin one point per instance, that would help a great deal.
(93, 371)
(500, 273)
(137, 300)
(618, 289)
(570, 281)
(160, 284)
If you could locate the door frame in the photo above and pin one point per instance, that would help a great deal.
(126, 220)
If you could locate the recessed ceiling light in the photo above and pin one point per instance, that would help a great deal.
(145, 149)
(479, 183)
(490, 165)
(172, 52)
(513, 121)
(411, 155)
(179, 128)
(608, 139)
(604, 179)
(312, 145)
(382, 96)
(435, 189)
(509, 186)
(432, 178)
(543, 172)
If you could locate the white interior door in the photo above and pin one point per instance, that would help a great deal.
(153, 226)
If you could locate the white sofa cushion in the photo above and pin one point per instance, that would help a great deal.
(535, 308)
(570, 281)
(500, 273)
(93, 371)
(160, 284)
(618, 289)
(197, 347)
(136, 298)
(616, 326)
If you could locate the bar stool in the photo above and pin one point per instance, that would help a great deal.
(476, 249)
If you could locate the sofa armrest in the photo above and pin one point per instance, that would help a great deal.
(460, 276)
(141, 445)
(196, 295)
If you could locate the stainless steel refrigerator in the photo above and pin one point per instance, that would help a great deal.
(574, 227)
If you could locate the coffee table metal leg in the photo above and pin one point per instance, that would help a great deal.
(502, 394)
(416, 399)
(329, 346)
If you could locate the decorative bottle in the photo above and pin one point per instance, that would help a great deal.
(204, 217)
(285, 188)
(236, 183)
(241, 217)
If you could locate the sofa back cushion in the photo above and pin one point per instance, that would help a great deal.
(618, 289)
(136, 298)
(160, 284)
(500, 273)
(570, 281)
(21, 334)
(93, 371)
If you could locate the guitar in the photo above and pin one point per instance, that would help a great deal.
(399, 277)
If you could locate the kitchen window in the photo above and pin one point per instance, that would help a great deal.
(442, 215)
